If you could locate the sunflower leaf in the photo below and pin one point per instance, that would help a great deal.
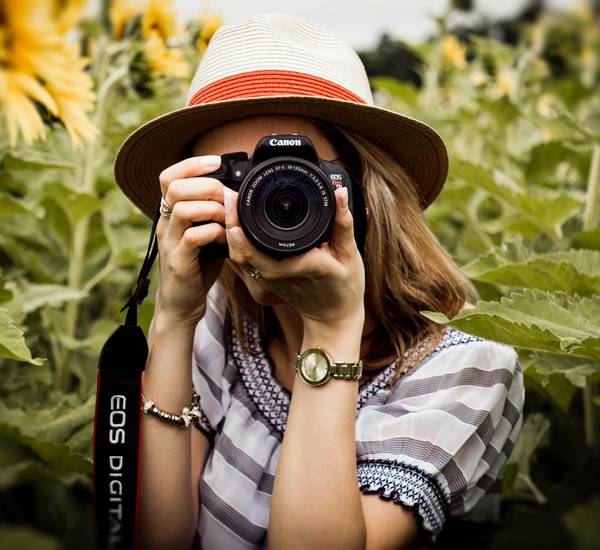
(512, 264)
(546, 209)
(537, 320)
(12, 341)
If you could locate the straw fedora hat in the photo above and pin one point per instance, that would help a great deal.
(277, 64)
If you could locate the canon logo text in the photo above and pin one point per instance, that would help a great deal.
(276, 141)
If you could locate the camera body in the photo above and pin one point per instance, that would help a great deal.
(286, 202)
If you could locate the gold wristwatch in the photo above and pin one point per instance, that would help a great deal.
(316, 367)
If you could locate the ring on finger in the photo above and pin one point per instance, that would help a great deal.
(165, 209)
(252, 271)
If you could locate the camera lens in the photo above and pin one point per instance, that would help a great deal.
(286, 206)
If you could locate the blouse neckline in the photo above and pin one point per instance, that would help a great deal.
(269, 396)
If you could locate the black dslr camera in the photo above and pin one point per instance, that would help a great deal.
(286, 203)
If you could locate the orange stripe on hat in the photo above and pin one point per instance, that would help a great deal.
(270, 83)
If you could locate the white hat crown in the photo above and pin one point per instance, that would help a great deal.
(255, 56)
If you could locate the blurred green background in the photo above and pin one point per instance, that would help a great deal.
(514, 96)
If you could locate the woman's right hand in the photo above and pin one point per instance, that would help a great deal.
(183, 282)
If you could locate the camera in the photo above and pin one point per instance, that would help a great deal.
(286, 202)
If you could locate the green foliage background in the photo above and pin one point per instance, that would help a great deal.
(520, 212)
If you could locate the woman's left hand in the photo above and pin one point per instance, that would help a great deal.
(325, 285)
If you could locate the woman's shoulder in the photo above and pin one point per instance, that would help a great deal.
(462, 366)
(457, 349)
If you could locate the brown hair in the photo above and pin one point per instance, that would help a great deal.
(406, 268)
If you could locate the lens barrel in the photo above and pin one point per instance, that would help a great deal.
(286, 205)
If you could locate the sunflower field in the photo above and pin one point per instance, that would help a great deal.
(520, 213)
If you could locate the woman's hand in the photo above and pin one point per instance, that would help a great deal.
(325, 285)
(183, 282)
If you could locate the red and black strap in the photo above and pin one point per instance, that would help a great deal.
(118, 420)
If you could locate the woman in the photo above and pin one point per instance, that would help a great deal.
(378, 461)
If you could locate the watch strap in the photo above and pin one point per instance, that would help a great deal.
(347, 370)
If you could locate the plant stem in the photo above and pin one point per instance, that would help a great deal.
(81, 229)
(590, 221)
(592, 198)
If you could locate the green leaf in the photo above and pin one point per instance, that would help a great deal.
(546, 157)
(54, 433)
(512, 222)
(536, 320)
(30, 296)
(75, 204)
(546, 209)
(534, 435)
(5, 294)
(19, 465)
(560, 377)
(398, 90)
(28, 158)
(11, 206)
(512, 264)
(587, 239)
(558, 389)
(12, 341)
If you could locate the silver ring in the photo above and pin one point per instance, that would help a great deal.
(165, 209)
(253, 272)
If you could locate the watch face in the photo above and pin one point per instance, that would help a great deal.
(314, 367)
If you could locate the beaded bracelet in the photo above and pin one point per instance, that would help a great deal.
(182, 420)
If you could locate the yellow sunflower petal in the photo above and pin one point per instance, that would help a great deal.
(39, 62)
(160, 17)
(28, 85)
(164, 61)
(73, 114)
(121, 11)
(453, 51)
(68, 14)
(22, 117)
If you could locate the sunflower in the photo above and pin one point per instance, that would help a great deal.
(453, 51)
(68, 13)
(121, 12)
(162, 60)
(160, 18)
(38, 63)
(159, 24)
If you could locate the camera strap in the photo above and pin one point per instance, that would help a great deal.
(118, 420)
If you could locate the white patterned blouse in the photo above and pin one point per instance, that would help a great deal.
(436, 441)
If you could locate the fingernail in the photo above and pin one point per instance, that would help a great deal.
(211, 161)
(236, 235)
(344, 198)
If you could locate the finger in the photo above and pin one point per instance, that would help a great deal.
(188, 189)
(237, 242)
(185, 213)
(194, 238)
(230, 201)
(341, 236)
(242, 251)
(161, 228)
(189, 167)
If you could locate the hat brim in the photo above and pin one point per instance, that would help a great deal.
(160, 142)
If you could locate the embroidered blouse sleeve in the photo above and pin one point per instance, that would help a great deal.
(208, 363)
(437, 441)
